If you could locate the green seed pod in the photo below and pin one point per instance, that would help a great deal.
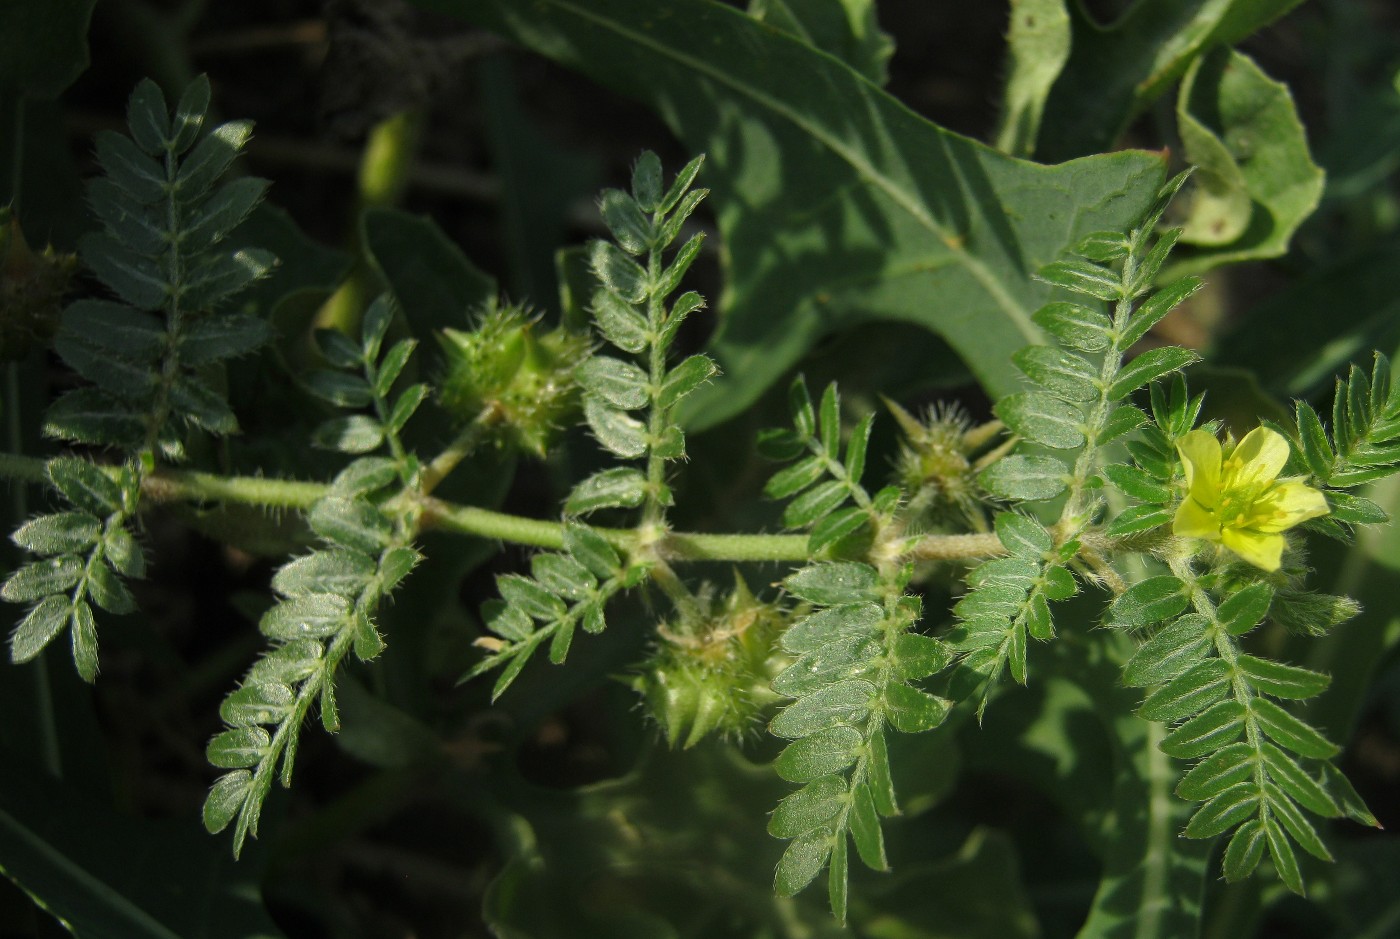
(518, 381)
(711, 674)
(938, 464)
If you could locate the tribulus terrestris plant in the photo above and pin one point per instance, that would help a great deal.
(1142, 565)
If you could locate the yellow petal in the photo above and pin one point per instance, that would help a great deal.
(1285, 505)
(1259, 458)
(1261, 549)
(1200, 458)
(1195, 521)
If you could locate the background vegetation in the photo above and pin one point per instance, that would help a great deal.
(447, 150)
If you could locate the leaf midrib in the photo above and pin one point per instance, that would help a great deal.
(866, 170)
(115, 900)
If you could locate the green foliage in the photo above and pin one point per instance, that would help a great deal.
(1106, 535)
(147, 355)
(327, 599)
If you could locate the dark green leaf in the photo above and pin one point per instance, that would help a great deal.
(563, 576)
(1134, 482)
(1042, 419)
(1199, 686)
(340, 571)
(591, 549)
(1138, 518)
(1150, 601)
(864, 822)
(238, 747)
(257, 702)
(619, 383)
(1244, 609)
(629, 226)
(815, 504)
(616, 431)
(1224, 811)
(1121, 420)
(1207, 732)
(826, 626)
(1023, 536)
(225, 800)
(826, 751)
(353, 523)
(1282, 681)
(1245, 850)
(1297, 825)
(218, 337)
(406, 405)
(841, 703)
(1150, 366)
(834, 583)
(913, 711)
(836, 526)
(802, 862)
(1157, 306)
(685, 378)
(39, 627)
(1219, 771)
(1075, 325)
(795, 478)
(619, 323)
(341, 389)
(804, 417)
(617, 272)
(611, 488)
(353, 433)
(843, 658)
(226, 275)
(392, 364)
(530, 597)
(211, 157)
(1063, 374)
(1288, 731)
(809, 807)
(309, 616)
(222, 212)
(1293, 780)
(108, 591)
(41, 578)
(1083, 277)
(1030, 478)
(1174, 649)
(58, 533)
(1285, 861)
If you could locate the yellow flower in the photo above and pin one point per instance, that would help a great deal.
(1238, 500)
